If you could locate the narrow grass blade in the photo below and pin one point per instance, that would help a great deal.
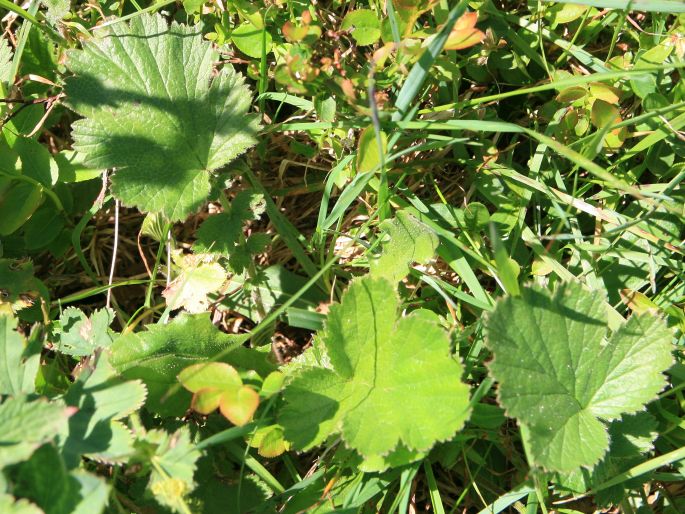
(419, 72)
(667, 6)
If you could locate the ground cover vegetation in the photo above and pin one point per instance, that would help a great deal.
(366, 256)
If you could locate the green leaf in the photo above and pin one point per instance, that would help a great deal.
(56, 10)
(45, 480)
(155, 111)
(25, 425)
(81, 335)
(388, 376)
(72, 169)
(364, 26)
(269, 441)
(368, 151)
(17, 204)
(5, 65)
(562, 380)
(9, 505)
(406, 241)
(19, 361)
(267, 290)
(667, 6)
(173, 467)
(221, 232)
(198, 277)
(632, 438)
(100, 399)
(157, 356)
(248, 39)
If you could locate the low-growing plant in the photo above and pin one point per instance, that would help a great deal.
(385, 256)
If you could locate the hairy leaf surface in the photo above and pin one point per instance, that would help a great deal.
(155, 111)
(408, 241)
(25, 425)
(562, 380)
(393, 385)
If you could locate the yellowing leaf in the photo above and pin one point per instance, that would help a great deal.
(269, 441)
(571, 94)
(197, 279)
(604, 114)
(601, 91)
(217, 375)
(205, 401)
(464, 33)
(238, 406)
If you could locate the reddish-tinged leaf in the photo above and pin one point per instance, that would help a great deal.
(239, 406)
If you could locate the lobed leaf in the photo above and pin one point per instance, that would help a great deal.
(393, 388)
(155, 110)
(562, 380)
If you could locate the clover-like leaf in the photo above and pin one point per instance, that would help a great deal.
(393, 385)
(563, 380)
(218, 385)
(408, 241)
(156, 111)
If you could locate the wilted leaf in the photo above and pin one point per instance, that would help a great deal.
(18, 287)
(198, 277)
(464, 33)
